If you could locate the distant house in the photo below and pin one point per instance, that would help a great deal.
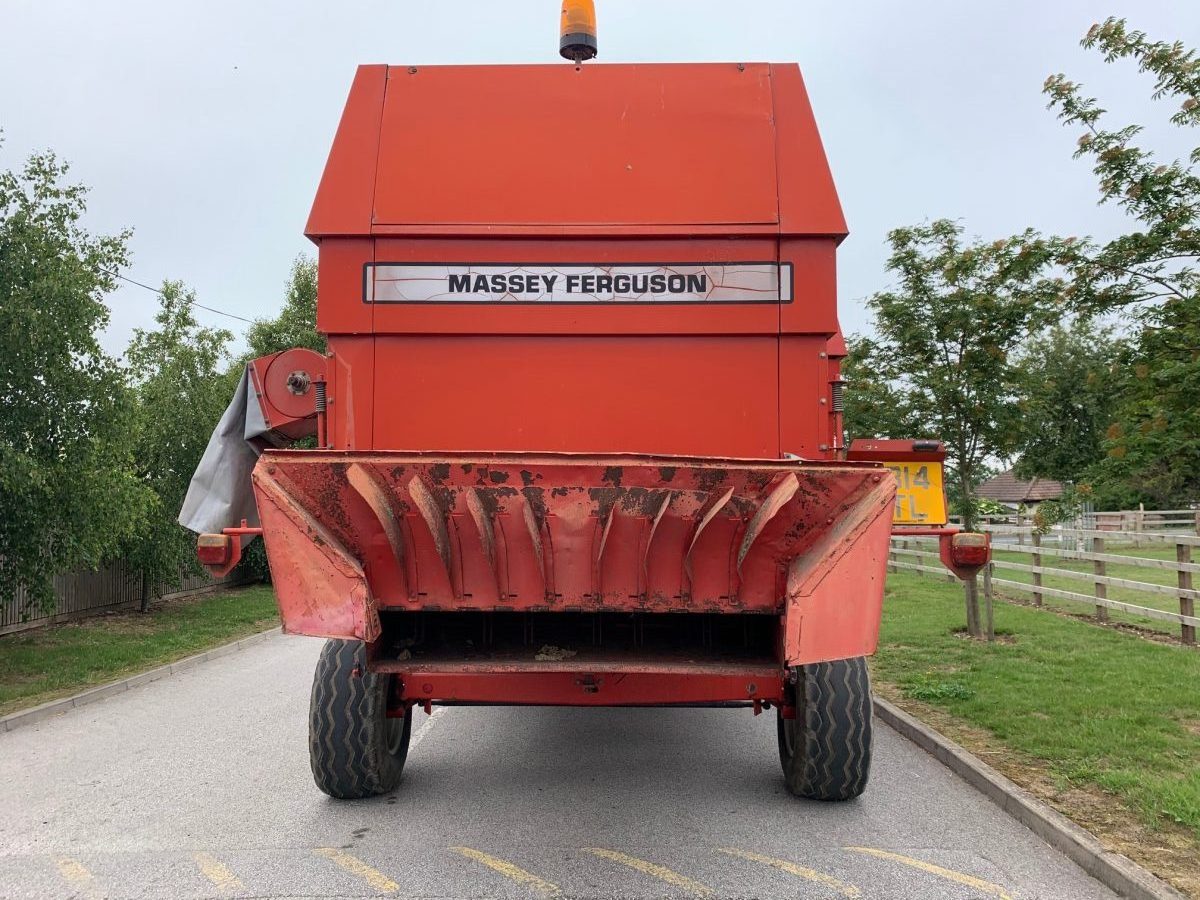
(1006, 488)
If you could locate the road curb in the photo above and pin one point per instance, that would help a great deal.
(1113, 870)
(56, 707)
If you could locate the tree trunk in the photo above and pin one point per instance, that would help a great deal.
(989, 623)
(975, 624)
(968, 498)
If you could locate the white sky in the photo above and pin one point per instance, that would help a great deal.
(204, 126)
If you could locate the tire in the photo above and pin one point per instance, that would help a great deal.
(826, 750)
(355, 749)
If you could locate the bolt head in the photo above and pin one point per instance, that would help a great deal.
(299, 382)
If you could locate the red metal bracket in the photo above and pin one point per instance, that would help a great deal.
(220, 553)
(962, 552)
(891, 450)
(752, 686)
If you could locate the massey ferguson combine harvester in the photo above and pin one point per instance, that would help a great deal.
(578, 431)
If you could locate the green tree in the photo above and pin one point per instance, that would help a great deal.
(176, 373)
(296, 324)
(948, 336)
(1150, 273)
(1067, 400)
(945, 352)
(879, 406)
(876, 406)
(68, 495)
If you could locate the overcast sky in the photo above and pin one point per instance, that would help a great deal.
(204, 126)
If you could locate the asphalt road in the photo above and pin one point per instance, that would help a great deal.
(199, 786)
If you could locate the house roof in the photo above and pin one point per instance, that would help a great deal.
(1007, 488)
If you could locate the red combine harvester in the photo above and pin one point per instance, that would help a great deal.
(578, 432)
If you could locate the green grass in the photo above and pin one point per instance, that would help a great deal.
(46, 663)
(1097, 707)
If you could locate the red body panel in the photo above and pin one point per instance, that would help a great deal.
(695, 395)
(476, 145)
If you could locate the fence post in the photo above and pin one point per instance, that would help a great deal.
(1101, 589)
(1197, 520)
(1187, 607)
(971, 594)
(987, 601)
(1020, 529)
(1037, 564)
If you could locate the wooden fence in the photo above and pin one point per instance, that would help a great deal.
(82, 594)
(1142, 520)
(1137, 521)
(1066, 545)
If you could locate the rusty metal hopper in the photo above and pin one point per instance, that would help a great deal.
(353, 534)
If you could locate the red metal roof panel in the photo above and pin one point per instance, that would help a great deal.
(610, 146)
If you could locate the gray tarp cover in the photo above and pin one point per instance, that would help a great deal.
(220, 495)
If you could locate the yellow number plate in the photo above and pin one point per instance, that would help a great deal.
(920, 494)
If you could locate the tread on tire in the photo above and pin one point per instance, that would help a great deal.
(355, 749)
(826, 750)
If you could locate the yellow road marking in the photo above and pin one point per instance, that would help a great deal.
(960, 877)
(356, 866)
(218, 873)
(670, 876)
(842, 887)
(75, 872)
(510, 871)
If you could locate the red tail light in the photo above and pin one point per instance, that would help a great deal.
(970, 550)
(214, 550)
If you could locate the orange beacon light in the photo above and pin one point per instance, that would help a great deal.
(577, 34)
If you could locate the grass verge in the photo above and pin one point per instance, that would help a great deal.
(1102, 725)
(59, 660)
